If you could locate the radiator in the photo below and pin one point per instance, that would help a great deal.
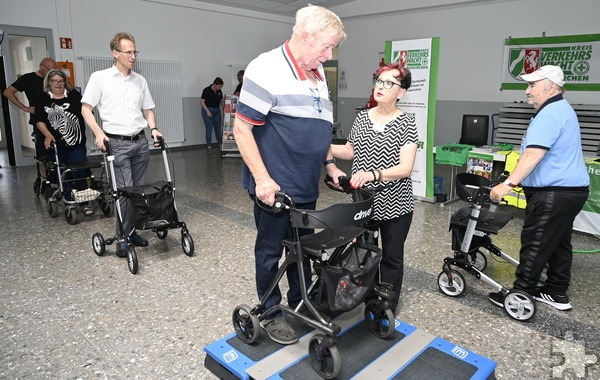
(514, 119)
(165, 83)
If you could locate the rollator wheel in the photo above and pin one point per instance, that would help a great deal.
(458, 287)
(162, 234)
(478, 260)
(98, 244)
(246, 325)
(72, 215)
(380, 322)
(132, 259)
(108, 208)
(326, 361)
(48, 192)
(52, 209)
(519, 305)
(187, 243)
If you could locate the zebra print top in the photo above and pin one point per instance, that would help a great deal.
(381, 150)
(62, 117)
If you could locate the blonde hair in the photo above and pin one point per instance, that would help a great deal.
(115, 43)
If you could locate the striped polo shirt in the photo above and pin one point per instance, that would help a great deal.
(292, 121)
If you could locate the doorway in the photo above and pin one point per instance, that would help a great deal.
(331, 74)
(21, 50)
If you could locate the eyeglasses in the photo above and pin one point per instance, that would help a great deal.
(129, 53)
(57, 81)
(387, 84)
(317, 105)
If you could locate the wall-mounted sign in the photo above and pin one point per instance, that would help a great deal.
(66, 43)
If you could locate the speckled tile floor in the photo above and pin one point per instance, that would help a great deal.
(66, 313)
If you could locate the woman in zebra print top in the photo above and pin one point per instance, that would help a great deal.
(382, 146)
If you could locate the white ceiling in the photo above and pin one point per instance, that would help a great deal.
(277, 7)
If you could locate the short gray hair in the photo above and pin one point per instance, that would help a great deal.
(53, 73)
(314, 19)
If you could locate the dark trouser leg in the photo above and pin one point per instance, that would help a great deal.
(131, 165)
(268, 249)
(393, 236)
(76, 154)
(546, 239)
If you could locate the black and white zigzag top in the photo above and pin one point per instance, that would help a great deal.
(381, 150)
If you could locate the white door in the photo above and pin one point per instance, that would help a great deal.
(23, 48)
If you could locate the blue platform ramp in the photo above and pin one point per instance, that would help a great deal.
(410, 353)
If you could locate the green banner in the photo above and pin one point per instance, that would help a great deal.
(577, 55)
(421, 57)
(593, 202)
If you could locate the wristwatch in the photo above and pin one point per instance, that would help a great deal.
(509, 184)
(327, 162)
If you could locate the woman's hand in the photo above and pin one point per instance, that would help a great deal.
(359, 179)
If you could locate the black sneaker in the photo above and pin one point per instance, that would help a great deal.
(137, 240)
(558, 301)
(497, 298)
(121, 249)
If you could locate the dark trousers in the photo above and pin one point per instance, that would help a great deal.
(393, 235)
(546, 238)
(268, 250)
(74, 154)
(131, 165)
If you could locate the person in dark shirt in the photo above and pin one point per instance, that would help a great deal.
(212, 105)
(240, 78)
(32, 84)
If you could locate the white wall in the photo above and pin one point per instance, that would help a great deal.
(205, 38)
(472, 40)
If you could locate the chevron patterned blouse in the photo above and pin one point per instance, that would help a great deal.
(374, 149)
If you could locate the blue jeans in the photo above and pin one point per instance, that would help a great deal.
(268, 249)
(212, 123)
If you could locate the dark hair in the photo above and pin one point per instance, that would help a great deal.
(241, 72)
(404, 78)
(218, 81)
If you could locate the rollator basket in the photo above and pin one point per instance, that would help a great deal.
(345, 282)
(154, 205)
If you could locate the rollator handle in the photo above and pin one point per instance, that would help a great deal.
(159, 143)
(344, 184)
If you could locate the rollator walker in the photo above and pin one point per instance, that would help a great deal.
(471, 228)
(154, 207)
(347, 275)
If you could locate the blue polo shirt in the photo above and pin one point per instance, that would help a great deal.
(292, 120)
(555, 128)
